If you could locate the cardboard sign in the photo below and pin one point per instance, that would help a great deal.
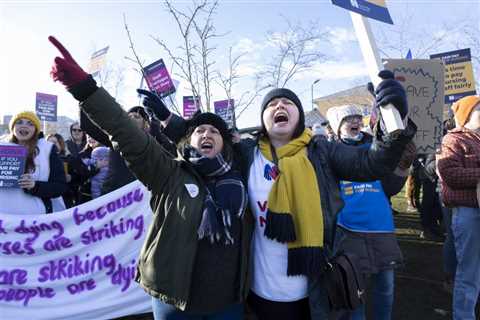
(46, 106)
(459, 80)
(12, 164)
(374, 9)
(75, 264)
(225, 109)
(158, 79)
(423, 81)
(190, 105)
(97, 61)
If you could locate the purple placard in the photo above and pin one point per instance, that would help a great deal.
(158, 79)
(224, 108)
(46, 106)
(12, 164)
(190, 106)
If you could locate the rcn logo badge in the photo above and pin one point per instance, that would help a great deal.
(270, 173)
(192, 189)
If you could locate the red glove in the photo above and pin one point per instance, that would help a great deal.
(65, 69)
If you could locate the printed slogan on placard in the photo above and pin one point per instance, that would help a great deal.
(84, 257)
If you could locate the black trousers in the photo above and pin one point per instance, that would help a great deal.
(430, 207)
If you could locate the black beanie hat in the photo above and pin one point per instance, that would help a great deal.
(289, 94)
(141, 111)
(212, 119)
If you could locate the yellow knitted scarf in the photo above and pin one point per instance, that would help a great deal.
(294, 213)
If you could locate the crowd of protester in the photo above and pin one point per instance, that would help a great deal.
(254, 243)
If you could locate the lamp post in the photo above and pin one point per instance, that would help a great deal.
(313, 83)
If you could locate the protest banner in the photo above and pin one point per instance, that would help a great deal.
(12, 164)
(459, 80)
(46, 106)
(78, 263)
(190, 105)
(158, 79)
(97, 61)
(374, 9)
(225, 109)
(423, 82)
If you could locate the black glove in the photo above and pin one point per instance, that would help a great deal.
(391, 91)
(152, 102)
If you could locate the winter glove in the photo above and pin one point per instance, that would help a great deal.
(152, 102)
(66, 69)
(391, 91)
(79, 83)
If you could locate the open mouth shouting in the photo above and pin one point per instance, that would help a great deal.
(206, 146)
(355, 129)
(24, 132)
(280, 118)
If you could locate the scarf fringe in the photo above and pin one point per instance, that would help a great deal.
(308, 261)
(280, 227)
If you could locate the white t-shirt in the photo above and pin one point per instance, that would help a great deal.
(270, 257)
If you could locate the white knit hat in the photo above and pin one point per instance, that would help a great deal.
(335, 115)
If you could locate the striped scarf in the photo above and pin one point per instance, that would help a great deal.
(226, 196)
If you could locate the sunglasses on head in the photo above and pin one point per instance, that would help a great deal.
(77, 130)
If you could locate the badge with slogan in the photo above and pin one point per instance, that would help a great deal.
(192, 189)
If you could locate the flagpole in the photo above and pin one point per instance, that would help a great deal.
(391, 117)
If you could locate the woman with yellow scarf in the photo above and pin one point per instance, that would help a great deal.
(293, 181)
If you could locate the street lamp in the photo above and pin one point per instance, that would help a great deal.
(314, 82)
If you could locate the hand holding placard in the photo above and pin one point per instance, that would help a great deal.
(26, 181)
(391, 99)
(153, 102)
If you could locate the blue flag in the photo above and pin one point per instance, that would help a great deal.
(409, 55)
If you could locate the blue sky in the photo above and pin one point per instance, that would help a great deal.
(83, 26)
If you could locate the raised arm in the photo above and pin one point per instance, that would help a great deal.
(360, 164)
(146, 158)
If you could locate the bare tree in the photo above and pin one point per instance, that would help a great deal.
(140, 65)
(110, 76)
(394, 41)
(470, 39)
(295, 52)
(186, 59)
(206, 32)
(227, 81)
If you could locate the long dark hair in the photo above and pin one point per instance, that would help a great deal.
(61, 142)
(84, 135)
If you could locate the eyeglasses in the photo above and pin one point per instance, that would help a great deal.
(352, 119)
(77, 130)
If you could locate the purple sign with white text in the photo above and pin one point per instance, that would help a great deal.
(224, 109)
(158, 79)
(46, 106)
(12, 164)
(190, 105)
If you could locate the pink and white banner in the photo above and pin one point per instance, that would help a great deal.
(78, 263)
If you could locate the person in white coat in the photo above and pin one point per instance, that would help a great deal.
(43, 182)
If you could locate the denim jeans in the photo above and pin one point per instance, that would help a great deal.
(449, 257)
(163, 311)
(466, 232)
(383, 289)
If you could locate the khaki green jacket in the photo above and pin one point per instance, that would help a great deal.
(167, 258)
